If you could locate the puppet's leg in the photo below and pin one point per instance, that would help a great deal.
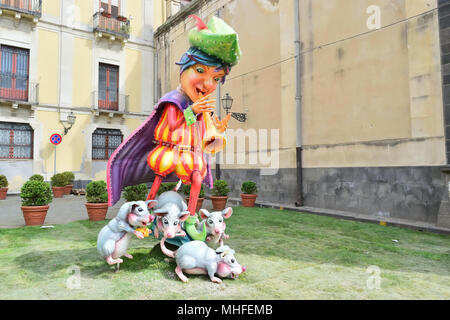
(196, 184)
(155, 187)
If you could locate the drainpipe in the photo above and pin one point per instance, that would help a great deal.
(218, 109)
(298, 103)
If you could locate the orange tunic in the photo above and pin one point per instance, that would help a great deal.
(179, 150)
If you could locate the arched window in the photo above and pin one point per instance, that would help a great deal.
(104, 142)
(16, 140)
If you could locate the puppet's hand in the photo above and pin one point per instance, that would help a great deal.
(203, 105)
(222, 125)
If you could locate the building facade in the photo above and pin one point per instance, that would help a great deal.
(83, 69)
(345, 101)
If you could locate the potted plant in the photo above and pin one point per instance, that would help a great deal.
(166, 186)
(220, 195)
(59, 182)
(97, 200)
(36, 177)
(201, 196)
(36, 195)
(135, 193)
(70, 177)
(248, 194)
(3, 187)
(106, 14)
(125, 29)
(122, 18)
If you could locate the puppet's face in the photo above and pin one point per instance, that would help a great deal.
(200, 79)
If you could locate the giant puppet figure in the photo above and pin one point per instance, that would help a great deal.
(176, 140)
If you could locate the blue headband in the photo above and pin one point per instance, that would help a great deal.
(195, 55)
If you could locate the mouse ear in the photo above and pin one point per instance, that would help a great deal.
(204, 214)
(184, 215)
(151, 203)
(227, 212)
(160, 212)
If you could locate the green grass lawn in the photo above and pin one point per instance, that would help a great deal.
(288, 255)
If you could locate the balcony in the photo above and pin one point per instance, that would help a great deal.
(30, 9)
(17, 91)
(114, 28)
(104, 103)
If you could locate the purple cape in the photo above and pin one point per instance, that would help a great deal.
(128, 164)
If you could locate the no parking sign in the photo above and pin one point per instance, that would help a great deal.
(55, 139)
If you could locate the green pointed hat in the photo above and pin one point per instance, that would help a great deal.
(216, 39)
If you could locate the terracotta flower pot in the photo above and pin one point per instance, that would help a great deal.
(34, 216)
(122, 18)
(199, 203)
(58, 192)
(97, 211)
(68, 189)
(219, 203)
(3, 192)
(248, 200)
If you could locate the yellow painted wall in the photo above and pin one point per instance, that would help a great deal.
(48, 66)
(158, 12)
(135, 9)
(82, 72)
(86, 11)
(358, 85)
(69, 153)
(51, 7)
(133, 83)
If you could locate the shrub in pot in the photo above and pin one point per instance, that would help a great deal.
(97, 200)
(70, 177)
(136, 193)
(36, 177)
(220, 195)
(3, 187)
(166, 186)
(59, 182)
(201, 196)
(36, 195)
(248, 195)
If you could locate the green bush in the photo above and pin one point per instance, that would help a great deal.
(69, 176)
(59, 180)
(135, 193)
(220, 188)
(36, 193)
(36, 177)
(166, 186)
(3, 181)
(96, 192)
(249, 187)
(186, 189)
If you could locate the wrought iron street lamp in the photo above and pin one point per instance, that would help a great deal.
(227, 102)
(71, 118)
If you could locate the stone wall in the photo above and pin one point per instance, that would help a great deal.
(412, 193)
(444, 28)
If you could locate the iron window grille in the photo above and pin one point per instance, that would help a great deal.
(108, 85)
(104, 142)
(14, 66)
(16, 141)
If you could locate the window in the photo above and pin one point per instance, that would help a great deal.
(108, 87)
(14, 73)
(111, 6)
(16, 141)
(104, 142)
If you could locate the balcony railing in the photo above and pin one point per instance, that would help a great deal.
(18, 90)
(107, 103)
(30, 7)
(112, 26)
